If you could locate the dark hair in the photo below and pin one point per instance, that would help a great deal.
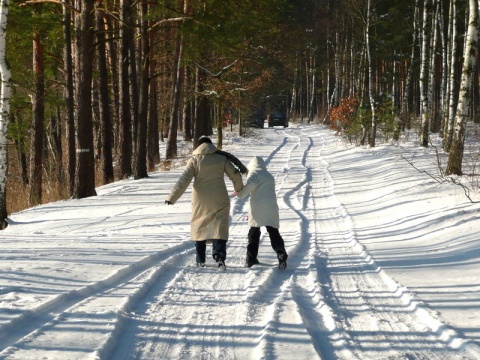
(204, 139)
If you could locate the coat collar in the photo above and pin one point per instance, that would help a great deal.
(205, 148)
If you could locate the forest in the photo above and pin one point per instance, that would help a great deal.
(90, 88)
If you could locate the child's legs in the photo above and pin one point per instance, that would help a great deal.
(253, 243)
(219, 249)
(200, 246)
(276, 240)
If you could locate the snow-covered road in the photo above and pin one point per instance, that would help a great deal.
(114, 276)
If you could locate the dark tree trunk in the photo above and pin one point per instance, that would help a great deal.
(141, 153)
(113, 62)
(201, 122)
(85, 169)
(153, 133)
(177, 85)
(69, 95)
(105, 113)
(202, 126)
(36, 155)
(133, 84)
(125, 116)
(187, 111)
(153, 150)
(56, 136)
(22, 157)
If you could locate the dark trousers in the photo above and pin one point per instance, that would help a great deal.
(219, 250)
(276, 241)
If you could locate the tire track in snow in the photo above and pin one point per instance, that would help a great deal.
(293, 304)
(21, 333)
(207, 332)
(306, 284)
(380, 318)
(215, 320)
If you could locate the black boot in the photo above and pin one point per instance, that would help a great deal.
(220, 262)
(282, 260)
(251, 261)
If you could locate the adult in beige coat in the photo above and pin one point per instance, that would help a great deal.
(210, 200)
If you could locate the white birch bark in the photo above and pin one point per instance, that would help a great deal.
(444, 88)
(408, 83)
(423, 84)
(394, 83)
(432, 105)
(353, 84)
(454, 165)
(452, 104)
(373, 130)
(312, 87)
(5, 91)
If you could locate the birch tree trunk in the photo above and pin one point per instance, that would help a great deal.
(444, 81)
(293, 101)
(452, 105)
(454, 165)
(373, 130)
(431, 90)
(423, 84)
(5, 92)
(312, 86)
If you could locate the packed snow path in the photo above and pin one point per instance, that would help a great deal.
(146, 299)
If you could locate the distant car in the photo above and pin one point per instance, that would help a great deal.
(256, 120)
(277, 119)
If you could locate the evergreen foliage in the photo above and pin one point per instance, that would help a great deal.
(306, 57)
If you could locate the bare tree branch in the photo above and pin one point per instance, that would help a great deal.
(169, 21)
(220, 72)
(443, 179)
(58, 2)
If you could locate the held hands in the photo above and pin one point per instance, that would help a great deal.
(234, 193)
(168, 202)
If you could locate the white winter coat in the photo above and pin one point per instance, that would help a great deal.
(263, 199)
(210, 200)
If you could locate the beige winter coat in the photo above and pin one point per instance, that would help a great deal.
(210, 200)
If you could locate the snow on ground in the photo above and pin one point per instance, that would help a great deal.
(383, 264)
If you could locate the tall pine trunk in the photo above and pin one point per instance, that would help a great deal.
(85, 166)
(141, 153)
(125, 116)
(38, 103)
(69, 93)
(104, 99)
(153, 152)
(171, 152)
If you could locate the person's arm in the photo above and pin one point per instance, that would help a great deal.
(234, 175)
(182, 183)
(249, 187)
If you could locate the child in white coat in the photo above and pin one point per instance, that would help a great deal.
(264, 211)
